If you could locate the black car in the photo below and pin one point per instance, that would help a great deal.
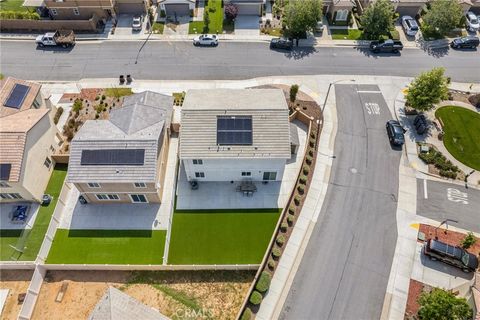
(455, 256)
(281, 43)
(470, 42)
(386, 46)
(395, 132)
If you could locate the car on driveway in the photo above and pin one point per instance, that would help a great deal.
(455, 256)
(470, 42)
(281, 43)
(206, 40)
(473, 24)
(410, 26)
(395, 132)
(137, 23)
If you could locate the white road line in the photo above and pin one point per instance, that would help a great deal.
(425, 194)
(366, 91)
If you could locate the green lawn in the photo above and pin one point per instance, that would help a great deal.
(12, 5)
(462, 134)
(107, 247)
(221, 236)
(37, 233)
(346, 34)
(215, 12)
(158, 27)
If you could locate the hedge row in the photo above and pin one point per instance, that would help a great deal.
(446, 167)
(19, 15)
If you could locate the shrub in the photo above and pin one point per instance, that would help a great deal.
(103, 97)
(256, 298)
(271, 264)
(276, 253)
(301, 189)
(297, 200)
(77, 105)
(97, 98)
(313, 135)
(311, 152)
(308, 159)
(448, 174)
(263, 282)
(19, 15)
(291, 210)
(97, 116)
(246, 315)
(283, 227)
(231, 11)
(469, 240)
(303, 179)
(58, 114)
(293, 92)
(306, 170)
(312, 142)
(290, 220)
(280, 240)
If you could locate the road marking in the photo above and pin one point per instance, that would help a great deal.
(425, 194)
(415, 226)
(456, 195)
(367, 91)
(372, 108)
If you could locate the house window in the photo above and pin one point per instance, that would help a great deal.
(140, 185)
(53, 12)
(199, 174)
(138, 198)
(270, 175)
(93, 185)
(197, 161)
(36, 104)
(52, 149)
(47, 162)
(3, 184)
(107, 196)
(246, 174)
(10, 196)
(76, 12)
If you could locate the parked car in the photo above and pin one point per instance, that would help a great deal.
(388, 46)
(64, 38)
(473, 24)
(137, 23)
(421, 124)
(465, 42)
(395, 132)
(319, 27)
(455, 256)
(410, 26)
(281, 43)
(206, 40)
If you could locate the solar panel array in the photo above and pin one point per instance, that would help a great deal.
(234, 130)
(17, 96)
(5, 169)
(125, 157)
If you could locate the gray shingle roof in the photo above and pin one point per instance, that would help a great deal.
(139, 124)
(270, 124)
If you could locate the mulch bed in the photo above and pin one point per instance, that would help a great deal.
(415, 289)
(85, 94)
(448, 236)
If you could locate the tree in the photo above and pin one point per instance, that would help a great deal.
(293, 92)
(443, 16)
(469, 240)
(377, 19)
(231, 11)
(301, 16)
(206, 21)
(443, 305)
(427, 89)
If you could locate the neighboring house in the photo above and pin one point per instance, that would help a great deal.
(403, 7)
(79, 9)
(337, 5)
(124, 159)
(248, 7)
(27, 140)
(134, 7)
(234, 135)
(177, 7)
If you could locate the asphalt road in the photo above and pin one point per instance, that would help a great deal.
(345, 269)
(440, 201)
(230, 60)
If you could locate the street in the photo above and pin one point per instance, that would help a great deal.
(230, 60)
(346, 265)
(440, 201)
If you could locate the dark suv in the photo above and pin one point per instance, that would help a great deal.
(470, 42)
(281, 43)
(455, 256)
(395, 132)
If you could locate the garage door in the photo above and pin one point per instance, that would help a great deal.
(179, 9)
(131, 8)
(248, 9)
(408, 11)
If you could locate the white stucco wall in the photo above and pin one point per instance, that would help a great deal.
(231, 169)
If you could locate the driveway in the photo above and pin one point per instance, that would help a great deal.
(124, 28)
(247, 26)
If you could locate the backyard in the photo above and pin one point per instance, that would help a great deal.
(34, 237)
(215, 13)
(221, 236)
(462, 134)
(107, 247)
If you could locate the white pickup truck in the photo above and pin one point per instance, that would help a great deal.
(64, 38)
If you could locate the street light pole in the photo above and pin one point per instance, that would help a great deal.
(444, 222)
(328, 91)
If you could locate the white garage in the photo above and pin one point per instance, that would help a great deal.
(177, 7)
(248, 7)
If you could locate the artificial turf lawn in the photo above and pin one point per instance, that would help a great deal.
(216, 19)
(221, 236)
(107, 247)
(13, 5)
(462, 134)
(346, 34)
(37, 233)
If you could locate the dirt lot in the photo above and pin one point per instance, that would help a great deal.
(17, 281)
(218, 293)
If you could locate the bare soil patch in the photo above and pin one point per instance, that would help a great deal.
(17, 281)
(415, 289)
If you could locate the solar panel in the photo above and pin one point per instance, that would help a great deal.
(5, 171)
(17, 96)
(126, 157)
(234, 130)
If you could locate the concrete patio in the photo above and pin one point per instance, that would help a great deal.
(223, 195)
(7, 208)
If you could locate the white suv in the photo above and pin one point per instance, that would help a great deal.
(410, 26)
(472, 22)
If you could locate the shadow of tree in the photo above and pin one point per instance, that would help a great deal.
(299, 53)
(435, 48)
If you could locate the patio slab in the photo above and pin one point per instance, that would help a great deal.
(6, 208)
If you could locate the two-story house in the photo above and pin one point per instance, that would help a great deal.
(28, 138)
(85, 9)
(123, 159)
(234, 135)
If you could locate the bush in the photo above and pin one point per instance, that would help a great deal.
(246, 315)
(297, 200)
(103, 97)
(276, 253)
(312, 142)
(469, 240)
(448, 174)
(58, 114)
(313, 135)
(271, 264)
(290, 220)
(303, 179)
(280, 240)
(301, 189)
(306, 170)
(283, 227)
(293, 92)
(77, 105)
(163, 14)
(291, 210)
(231, 11)
(19, 15)
(97, 98)
(308, 159)
(256, 298)
(263, 282)
(311, 152)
